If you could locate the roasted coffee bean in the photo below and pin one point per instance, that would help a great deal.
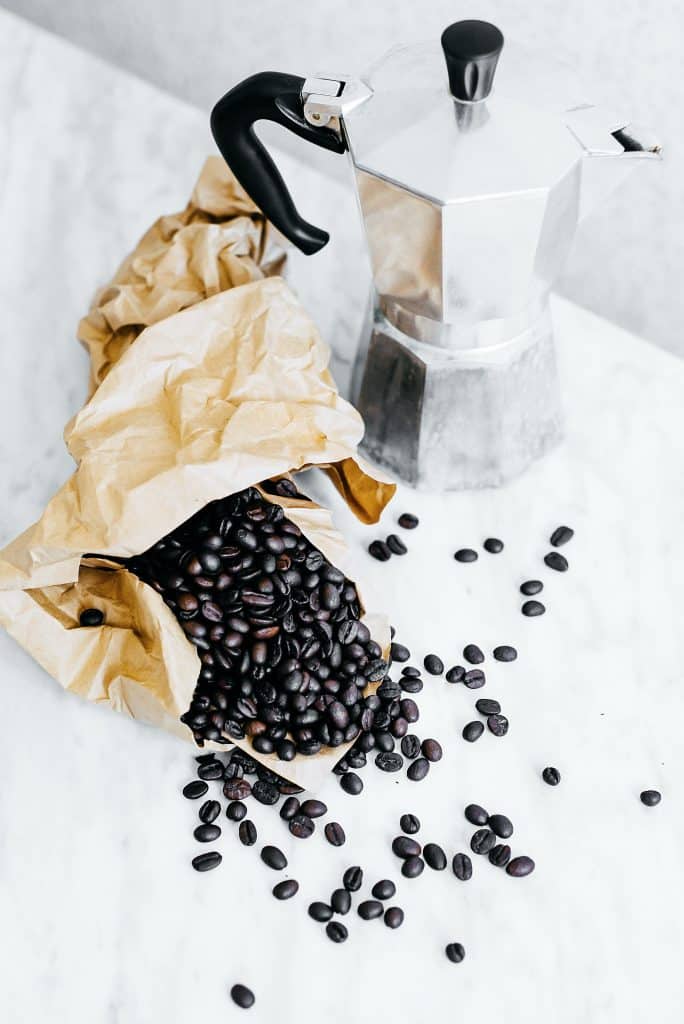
(462, 866)
(556, 561)
(493, 545)
(237, 789)
(501, 825)
(412, 684)
(351, 783)
(91, 617)
(194, 790)
(409, 824)
(408, 521)
(396, 545)
(418, 769)
(482, 841)
(213, 770)
(473, 654)
(410, 670)
(209, 811)
(399, 653)
(265, 792)
(301, 826)
(236, 810)
(370, 909)
(474, 679)
(286, 750)
(500, 855)
(476, 815)
(551, 776)
(409, 710)
(340, 901)
(410, 746)
(274, 858)
(650, 797)
(487, 706)
(498, 725)
(242, 996)
(505, 653)
(247, 832)
(384, 889)
(207, 833)
(455, 952)
(394, 917)
(334, 833)
(352, 879)
(263, 745)
(320, 911)
(432, 750)
(435, 856)
(290, 808)
(531, 587)
(404, 847)
(433, 664)
(472, 731)
(456, 674)
(314, 808)
(389, 762)
(561, 535)
(533, 608)
(379, 550)
(520, 866)
(465, 555)
(207, 861)
(286, 890)
(336, 931)
(412, 867)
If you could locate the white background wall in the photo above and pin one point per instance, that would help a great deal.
(628, 262)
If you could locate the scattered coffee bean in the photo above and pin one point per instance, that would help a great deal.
(455, 952)
(500, 855)
(394, 917)
(486, 706)
(290, 808)
(520, 866)
(194, 790)
(410, 670)
(456, 674)
(482, 841)
(370, 909)
(410, 746)
(352, 879)
(213, 770)
(473, 654)
(551, 776)
(399, 653)
(286, 890)
(242, 996)
(465, 555)
(334, 833)
(384, 889)
(336, 931)
(418, 769)
(274, 858)
(497, 725)
(410, 824)
(433, 664)
(91, 617)
(533, 608)
(501, 825)
(412, 684)
(462, 866)
(505, 653)
(340, 901)
(236, 810)
(396, 545)
(389, 762)
(265, 792)
(561, 535)
(209, 811)
(320, 911)
(314, 808)
(207, 833)
(474, 679)
(435, 856)
(493, 545)
(472, 731)
(432, 750)
(237, 789)
(408, 521)
(207, 861)
(412, 867)
(247, 832)
(301, 826)
(476, 815)
(531, 587)
(379, 550)
(556, 561)
(351, 783)
(404, 847)
(650, 797)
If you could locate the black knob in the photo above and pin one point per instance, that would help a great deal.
(471, 49)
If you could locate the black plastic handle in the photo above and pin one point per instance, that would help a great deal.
(270, 96)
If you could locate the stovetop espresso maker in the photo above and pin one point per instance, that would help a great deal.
(470, 195)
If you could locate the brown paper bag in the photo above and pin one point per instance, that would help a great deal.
(207, 402)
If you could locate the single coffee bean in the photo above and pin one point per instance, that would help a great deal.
(334, 833)
(351, 783)
(476, 815)
(472, 731)
(408, 521)
(370, 909)
(410, 746)
(435, 856)
(301, 826)
(207, 833)
(487, 706)
(456, 674)
(389, 762)
(561, 535)
(379, 550)
(91, 617)
(433, 664)
(194, 790)
(473, 654)
(247, 832)
(556, 561)
(455, 952)
(418, 769)
(209, 811)
(412, 684)
(237, 789)
(286, 750)
(432, 750)
(462, 866)
(551, 776)
(465, 555)
(320, 911)
(399, 653)
(336, 931)
(520, 866)
(493, 545)
(474, 679)
(352, 879)
(498, 725)
(290, 808)
(501, 825)
(286, 890)
(396, 545)
(650, 797)
(314, 808)
(213, 770)
(500, 855)
(340, 901)
(409, 823)
(236, 810)
(207, 861)
(242, 996)
(274, 858)
(531, 587)
(412, 867)
(482, 841)
(384, 889)
(394, 917)
(404, 847)
(505, 653)
(533, 608)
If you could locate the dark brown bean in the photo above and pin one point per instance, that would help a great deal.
(403, 846)
(501, 825)
(551, 776)
(91, 617)
(473, 654)
(472, 731)
(340, 901)
(352, 879)
(408, 521)
(532, 609)
(207, 861)
(247, 832)
(396, 545)
(409, 823)
(504, 652)
(556, 561)
(334, 833)
(500, 855)
(207, 833)
(384, 889)
(482, 841)
(465, 555)
(433, 664)
(274, 858)
(520, 866)
(498, 725)
(320, 911)
(434, 856)
(351, 783)
(336, 931)
(456, 674)
(493, 545)
(412, 867)
(314, 808)
(301, 826)
(418, 769)
(476, 815)
(650, 797)
(286, 890)
(370, 909)
(236, 810)
(379, 550)
(394, 917)
(289, 808)
(432, 750)
(474, 679)
(531, 587)
(462, 866)
(561, 535)
(194, 790)
(242, 996)
(455, 952)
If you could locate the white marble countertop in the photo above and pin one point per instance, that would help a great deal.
(102, 918)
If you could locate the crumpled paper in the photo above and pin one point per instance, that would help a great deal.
(220, 240)
(209, 401)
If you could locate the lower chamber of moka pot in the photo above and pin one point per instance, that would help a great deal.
(455, 419)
